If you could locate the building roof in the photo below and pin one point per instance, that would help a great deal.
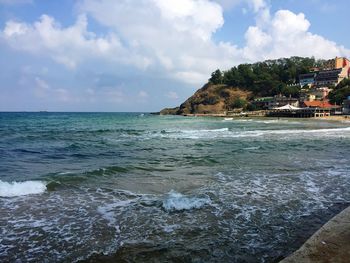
(287, 107)
(319, 104)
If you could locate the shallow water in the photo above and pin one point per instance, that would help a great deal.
(153, 188)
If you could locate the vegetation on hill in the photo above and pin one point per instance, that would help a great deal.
(236, 87)
(267, 78)
(340, 92)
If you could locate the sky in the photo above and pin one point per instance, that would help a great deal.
(144, 55)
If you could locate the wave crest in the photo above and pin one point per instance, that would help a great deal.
(178, 202)
(21, 188)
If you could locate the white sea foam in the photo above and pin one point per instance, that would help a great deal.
(226, 133)
(320, 131)
(213, 130)
(252, 148)
(108, 211)
(178, 202)
(21, 188)
(268, 121)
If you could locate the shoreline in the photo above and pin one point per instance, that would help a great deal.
(331, 243)
(336, 118)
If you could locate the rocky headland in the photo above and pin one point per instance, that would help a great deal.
(212, 99)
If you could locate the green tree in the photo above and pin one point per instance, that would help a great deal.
(216, 77)
(238, 103)
(267, 78)
(293, 91)
(340, 92)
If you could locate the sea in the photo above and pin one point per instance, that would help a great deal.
(136, 187)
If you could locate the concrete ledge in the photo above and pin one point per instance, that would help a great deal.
(330, 244)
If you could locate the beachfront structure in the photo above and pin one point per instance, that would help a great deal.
(280, 100)
(269, 103)
(299, 112)
(310, 109)
(333, 72)
(322, 104)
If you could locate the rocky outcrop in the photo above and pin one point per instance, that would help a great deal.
(212, 99)
(169, 111)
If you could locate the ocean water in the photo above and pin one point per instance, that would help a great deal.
(131, 187)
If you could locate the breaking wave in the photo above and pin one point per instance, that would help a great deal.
(179, 202)
(21, 188)
(227, 133)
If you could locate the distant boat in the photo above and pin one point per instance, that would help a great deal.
(228, 119)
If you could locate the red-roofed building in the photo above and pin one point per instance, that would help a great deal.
(322, 104)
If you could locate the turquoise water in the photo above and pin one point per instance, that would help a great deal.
(144, 188)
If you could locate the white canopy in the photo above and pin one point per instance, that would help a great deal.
(287, 107)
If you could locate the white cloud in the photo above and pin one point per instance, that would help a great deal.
(43, 90)
(228, 4)
(68, 46)
(287, 34)
(255, 5)
(172, 39)
(176, 36)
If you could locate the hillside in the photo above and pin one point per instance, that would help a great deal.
(212, 99)
(236, 87)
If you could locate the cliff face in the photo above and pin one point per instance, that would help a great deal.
(211, 99)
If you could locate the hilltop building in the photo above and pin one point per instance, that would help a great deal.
(307, 79)
(336, 63)
(333, 72)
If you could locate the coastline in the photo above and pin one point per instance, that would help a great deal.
(331, 243)
(338, 118)
(342, 118)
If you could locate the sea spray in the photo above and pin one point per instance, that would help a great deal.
(178, 202)
(21, 188)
